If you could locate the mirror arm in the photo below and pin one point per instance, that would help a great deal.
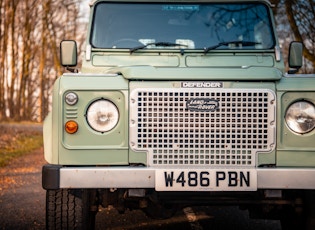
(72, 70)
(293, 71)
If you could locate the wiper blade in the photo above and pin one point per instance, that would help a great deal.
(243, 43)
(166, 44)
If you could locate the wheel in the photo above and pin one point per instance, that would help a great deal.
(291, 220)
(70, 209)
(302, 217)
(310, 210)
(126, 43)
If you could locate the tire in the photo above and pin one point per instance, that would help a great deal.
(292, 221)
(304, 218)
(69, 209)
(310, 210)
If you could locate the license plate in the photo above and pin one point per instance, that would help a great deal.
(206, 180)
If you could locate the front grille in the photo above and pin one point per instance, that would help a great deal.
(241, 124)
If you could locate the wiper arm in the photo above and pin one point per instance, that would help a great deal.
(243, 43)
(166, 44)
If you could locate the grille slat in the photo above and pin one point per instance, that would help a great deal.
(173, 134)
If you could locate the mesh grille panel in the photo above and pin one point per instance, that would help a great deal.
(174, 134)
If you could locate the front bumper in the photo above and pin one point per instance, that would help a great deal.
(55, 177)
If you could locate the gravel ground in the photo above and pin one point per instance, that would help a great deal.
(22, 200)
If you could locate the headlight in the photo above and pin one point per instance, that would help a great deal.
(300, 117)
(71, 98)
(102, 115)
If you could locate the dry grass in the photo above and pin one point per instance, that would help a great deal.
(17, 140)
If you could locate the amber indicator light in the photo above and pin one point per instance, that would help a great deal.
(71, 127)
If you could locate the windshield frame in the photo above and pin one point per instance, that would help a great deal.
(186, 46)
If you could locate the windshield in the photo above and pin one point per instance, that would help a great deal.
(186, 26)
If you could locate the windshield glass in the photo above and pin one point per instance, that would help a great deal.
(186, 26)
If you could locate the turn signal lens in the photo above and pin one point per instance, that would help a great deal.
(71, 127)
(300, 117)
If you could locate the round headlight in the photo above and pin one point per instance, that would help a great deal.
(300, 117)
(102, 115)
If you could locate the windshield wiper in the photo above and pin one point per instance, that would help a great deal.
(165, 44)
(243, 43)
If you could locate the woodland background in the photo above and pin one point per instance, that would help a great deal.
(31, 31)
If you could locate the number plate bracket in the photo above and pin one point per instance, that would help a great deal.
(206, 180)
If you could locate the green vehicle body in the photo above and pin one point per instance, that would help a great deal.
(106, 164)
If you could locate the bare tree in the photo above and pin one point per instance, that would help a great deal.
(301, 16)
(31, 31)
(3, 45)
(295, 19)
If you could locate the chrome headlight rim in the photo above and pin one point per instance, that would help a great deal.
(71, 98)
(102, 115)
(300, 117)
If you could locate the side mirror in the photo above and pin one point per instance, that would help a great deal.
(68, 53)
(295, 56)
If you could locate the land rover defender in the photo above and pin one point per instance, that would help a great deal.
(180, 103)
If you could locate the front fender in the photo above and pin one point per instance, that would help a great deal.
(47, 136)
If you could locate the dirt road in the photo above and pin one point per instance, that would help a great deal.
(22, 199)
